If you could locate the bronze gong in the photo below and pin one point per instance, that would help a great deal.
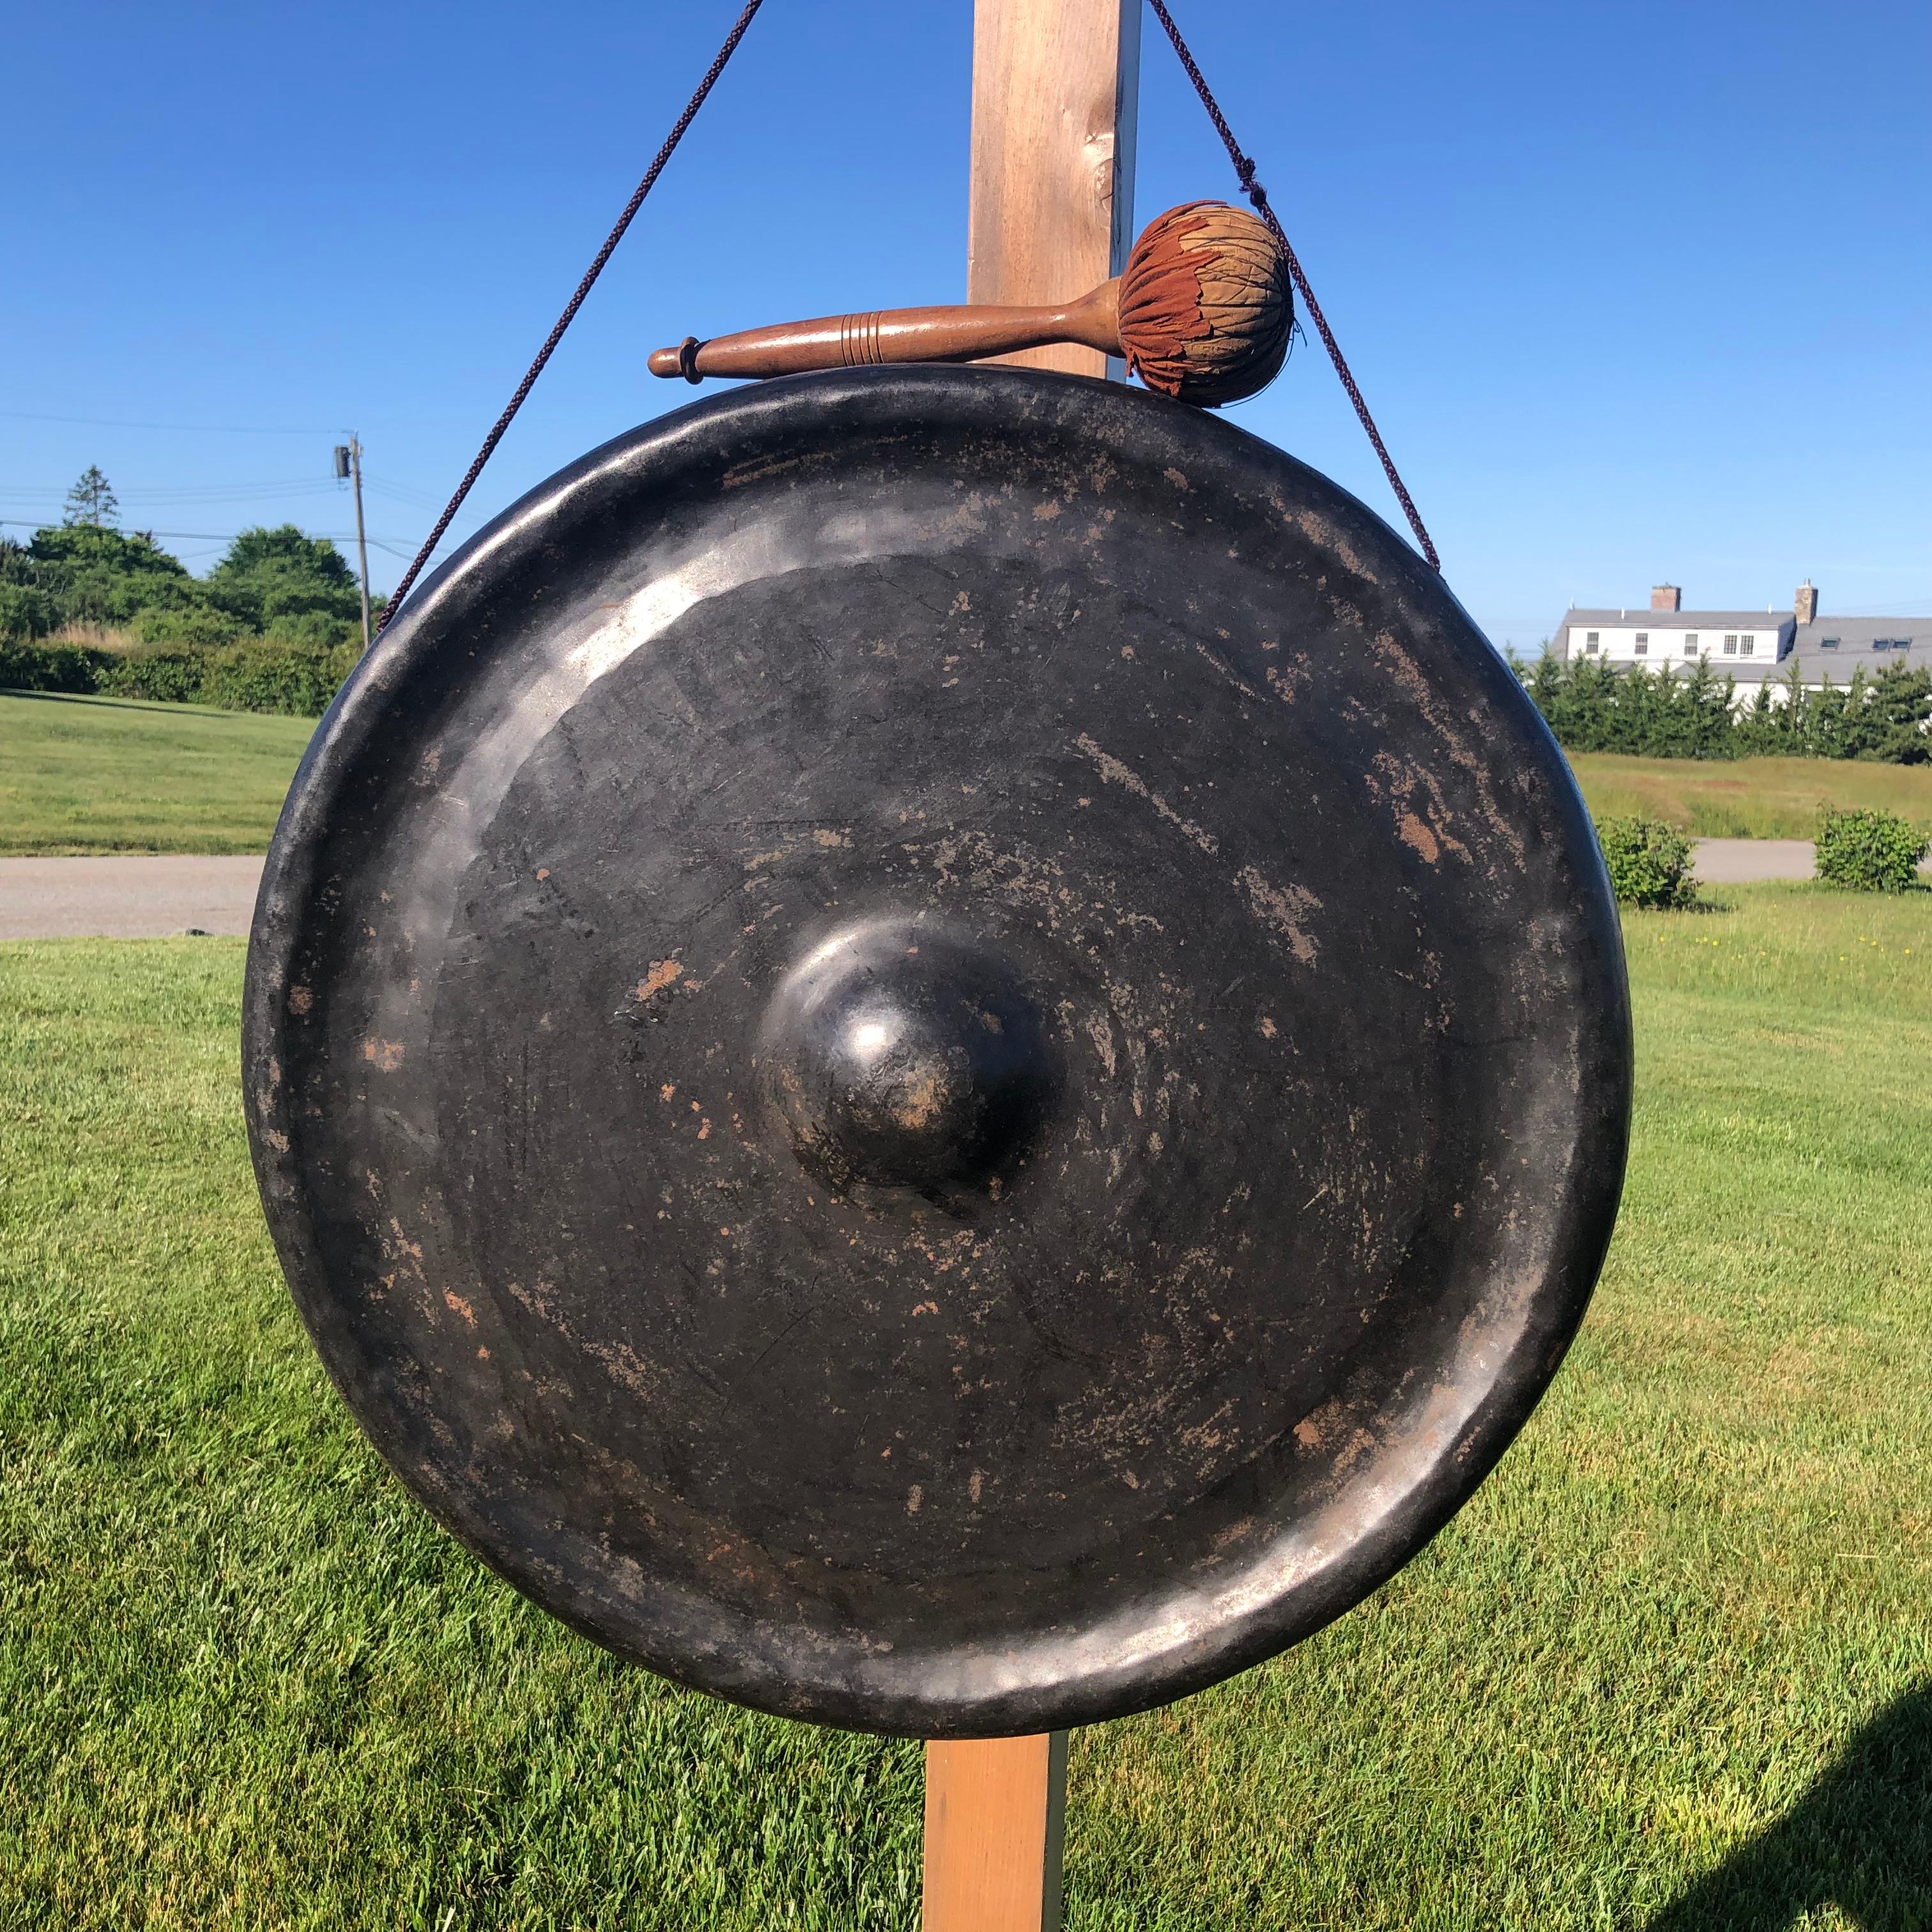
(939, 1049)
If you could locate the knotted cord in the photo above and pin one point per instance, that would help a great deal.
(1244, 172)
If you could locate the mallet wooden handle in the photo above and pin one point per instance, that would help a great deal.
(962, 334)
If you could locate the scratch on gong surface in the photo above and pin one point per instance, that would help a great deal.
(660, 975)
(1227, 673)
(1409, 675)
(1112, 771)
(1282, 908)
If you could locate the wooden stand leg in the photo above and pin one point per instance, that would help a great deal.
(1055, 87)
(995, 1816)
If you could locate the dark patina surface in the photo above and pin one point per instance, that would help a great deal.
(939, 1049)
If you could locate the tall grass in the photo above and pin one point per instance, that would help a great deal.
(1748, 798)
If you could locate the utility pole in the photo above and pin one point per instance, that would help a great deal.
(349, 468)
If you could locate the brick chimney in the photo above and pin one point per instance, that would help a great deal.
(1806, 604)
(1666, 597)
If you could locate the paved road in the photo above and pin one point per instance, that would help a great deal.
(1737, 861)
(125, 897)
(148, 897)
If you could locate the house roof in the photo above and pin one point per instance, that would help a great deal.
(1674, 620)
(1856, 634)
(1854, 651)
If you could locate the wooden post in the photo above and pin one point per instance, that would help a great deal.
(995, 1810)
(1055, 83)
(1055, 87)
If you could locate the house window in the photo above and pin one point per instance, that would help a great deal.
(1643, 643)
(1731, 645)
(1747, 644)
(1589, 640)
(1892, 643)
(1689, 643)
(1828, 643)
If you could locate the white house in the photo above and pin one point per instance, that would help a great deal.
(1749, 646)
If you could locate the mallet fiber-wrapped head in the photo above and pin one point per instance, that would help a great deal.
(1206, 306)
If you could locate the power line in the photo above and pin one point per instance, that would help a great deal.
(414, 499)
(136, 504)
(186, 492)
(194, 429)
(205, 536)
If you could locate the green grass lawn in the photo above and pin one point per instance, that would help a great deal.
(1748, 798)
(113, 775)
(1671, 1669)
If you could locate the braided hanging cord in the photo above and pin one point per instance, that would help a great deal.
(678, 129)
(1244, 171)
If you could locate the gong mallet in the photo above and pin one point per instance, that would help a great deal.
(1202, 311)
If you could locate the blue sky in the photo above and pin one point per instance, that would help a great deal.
(1638, 293)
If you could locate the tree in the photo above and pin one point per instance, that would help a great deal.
(1705, 728)
(26, 611)
(97, 575)
(91, 500)
(1544, 682)
(1779, 720)
(1895, 716)
(287, 549)
(283, 582)
(1834, 709)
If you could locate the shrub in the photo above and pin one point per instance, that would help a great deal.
(1868, 851)
(316, 628)
(188, 623)
(1649, 862)
(71, 668)
(25, 614)
(166, 674)
(290, 675)
(276, 674)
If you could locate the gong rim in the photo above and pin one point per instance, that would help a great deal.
(1143, 1646)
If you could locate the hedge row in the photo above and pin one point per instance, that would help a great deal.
(1691, 714)
(290, 675)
